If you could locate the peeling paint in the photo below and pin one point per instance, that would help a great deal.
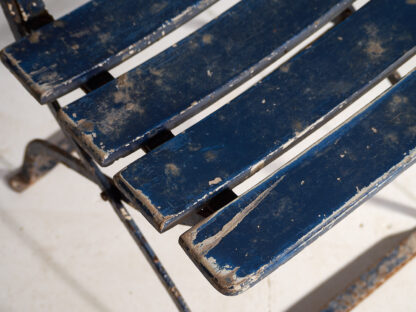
(172, 169)
(203, 247)
(215, 181)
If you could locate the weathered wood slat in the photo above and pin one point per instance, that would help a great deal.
(115, 120)
(95, 37)
(244, 135)
(252, 236)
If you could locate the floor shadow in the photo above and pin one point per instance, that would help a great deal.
(334, 285)
(394, 206)
(41, 253)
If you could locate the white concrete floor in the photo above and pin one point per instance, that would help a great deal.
(63, 249)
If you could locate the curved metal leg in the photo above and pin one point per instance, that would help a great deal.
(41, 157)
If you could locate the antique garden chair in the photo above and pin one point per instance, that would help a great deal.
(189, 178)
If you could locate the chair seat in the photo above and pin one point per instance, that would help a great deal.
(219, 152)
(121, 116)
(248, 239)
(95, 37)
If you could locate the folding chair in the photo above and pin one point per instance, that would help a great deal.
(189, 178)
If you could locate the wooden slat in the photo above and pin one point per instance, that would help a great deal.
(95, 37)
(244, 135)
(115, 120)
(252, 236)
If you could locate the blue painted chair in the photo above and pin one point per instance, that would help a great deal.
(188, 179)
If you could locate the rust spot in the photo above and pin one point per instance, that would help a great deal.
(210, 156)
(193, 147)
(412, 130)
(156, 72)
(172, 169)
(215, 181)
(297, 126)
(157, 7)
(85, 125)
(123, 82)
(34, 37)
(396, 102)
(374, 48)
(134, 108)
(125, 214)
(118, 96)
(207, 39)
(104, 37)
(375, 276)
(285, 67)
(80, 34)
(391, 138)
(58, 24)
(193, 45)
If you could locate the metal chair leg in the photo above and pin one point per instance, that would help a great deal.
(113, 195)
(41, 157)
(375, 276)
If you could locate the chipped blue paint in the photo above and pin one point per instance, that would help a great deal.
(237, 140)
(252, 236)
(115, 120)
(95, 37)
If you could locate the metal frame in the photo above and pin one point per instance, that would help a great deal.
(375, 276)
(42, 156)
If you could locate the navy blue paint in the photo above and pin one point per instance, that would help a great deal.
(93, 38)
(115, 120)
(313, 193)
(222, 148)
